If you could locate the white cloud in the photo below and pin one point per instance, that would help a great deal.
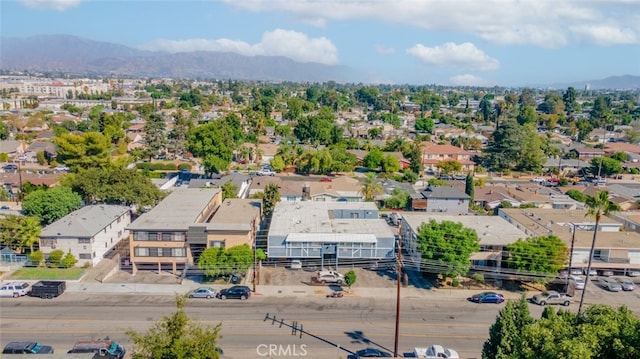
(606, 34)
(385, 50)
(292, 44)
(465, 55)
(467, 80)
(548, 24)
(59, 5)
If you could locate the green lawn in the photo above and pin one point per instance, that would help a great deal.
(48, 273)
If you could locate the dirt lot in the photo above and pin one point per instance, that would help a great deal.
(364, 278)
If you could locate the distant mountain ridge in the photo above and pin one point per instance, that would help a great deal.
(66, 53)
(624, 82)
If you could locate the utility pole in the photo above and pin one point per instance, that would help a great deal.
(399, 275)
(255, 257)
(573, 239)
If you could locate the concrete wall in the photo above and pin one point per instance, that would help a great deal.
(452, 206)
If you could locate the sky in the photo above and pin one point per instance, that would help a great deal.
(444, 42)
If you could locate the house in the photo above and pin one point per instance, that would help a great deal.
(565, 165)
(266, 152)
(615, 249)
(172, 235)
(329, 233)
(235, 223)
(416, 201)
(360, 155)
(630, 149)
(12, 147)
(88, 233)
(240, 181)
(433, 154)
(494, 234)
(446, 199)
(586, 153)
(326, 189)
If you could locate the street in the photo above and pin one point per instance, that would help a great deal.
(352, 323)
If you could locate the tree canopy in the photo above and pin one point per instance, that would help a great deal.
(446, 247)
(544, 256)
(176, 336)
(114, 185)
(220, 261)
(51, 204)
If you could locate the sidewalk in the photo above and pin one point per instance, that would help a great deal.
(274, 291)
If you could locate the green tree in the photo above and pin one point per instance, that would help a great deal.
(399, 199)
(371, 187)
(55, 257)
(240, 258)
(449, 166)
(29, 232)
(277, 163)
(485, 108)
(155, 137)
(597, 206)
(514, 146)
(52, 204)
(178, 136)
(569, 98)
(469, 188)
(214, 262)
(506, 331)
(87, 150)
(390, 164)
(373, 159)
(229, 190)
(447, 246)
(350, 278)
(176, 336)
(270, 199)
(114, 185)
(605, 166)
(68, 260)
(576, 195)
(424, 125)
(544, 255)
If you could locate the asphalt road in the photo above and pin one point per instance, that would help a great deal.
(352, 323)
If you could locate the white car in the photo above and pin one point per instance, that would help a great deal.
(538, 179)
(578, 282)
(633, 273)
(435, 351)
(15, 290)
(627, 284)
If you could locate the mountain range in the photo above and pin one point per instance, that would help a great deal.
(71, 54)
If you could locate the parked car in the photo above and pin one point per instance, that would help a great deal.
(538, 179)
(487, 297)
(576, 271)
(295, 264)
(328, 277)
(202, 292)
(27, 348)
(552, 297)
(606, 273)
(48, 289)
(627, 284)
(563, 274)
(578, 282)
(14, 289)
(241, 292)
(10, 167)
(103, 348)
(592, 272)
(633, 273)
(611, 284)
(370, 353)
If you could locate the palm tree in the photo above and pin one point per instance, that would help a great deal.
(371, 187)
(29, 232)
(598, 205)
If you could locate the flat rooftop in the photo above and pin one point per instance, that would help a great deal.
(177, 211)
(316, 217)
(236, 214)
(492, 230)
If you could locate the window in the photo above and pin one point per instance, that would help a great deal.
(140, 236)
(141, 252)
(49, 242)
(84, 240)
(84, 256)
(179, 252)
(216, 244)
(166, 236)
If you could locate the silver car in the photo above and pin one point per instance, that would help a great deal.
(627, 284)
(611, 284)
(202, 292)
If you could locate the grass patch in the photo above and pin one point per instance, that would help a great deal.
(48, 273)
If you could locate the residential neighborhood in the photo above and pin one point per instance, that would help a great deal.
(182, 181)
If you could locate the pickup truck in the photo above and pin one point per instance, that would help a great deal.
(552, 297)
(435, 351)
(48, 289)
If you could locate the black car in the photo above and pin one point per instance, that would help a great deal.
(369, 353)
(10, 167)
(241, 292)
(27, 348)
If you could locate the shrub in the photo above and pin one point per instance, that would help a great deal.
(455, 282)
(478, 277)
(55, 257)
(36, 257)
(184, 167)
(68, 261)
(144, 166)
